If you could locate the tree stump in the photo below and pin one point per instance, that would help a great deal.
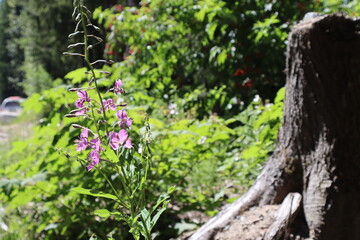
(318, 147)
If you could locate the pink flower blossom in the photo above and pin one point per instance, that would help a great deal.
(94, 159)
(81, 111)
(83, 95)
(119, 139)
(117, 87)
(108, 104)
(128, 143)
(114, 140)
(124, 119)
(83, 142)
(79, 103)
(95, 144)
(123, 135)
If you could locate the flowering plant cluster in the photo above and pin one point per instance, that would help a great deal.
(103, 141)
(87, 107)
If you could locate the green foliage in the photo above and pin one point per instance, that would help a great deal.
(205, 154)
(37, 79)
(174, 48)
(35, 37)
(4, 59)
(196, 67)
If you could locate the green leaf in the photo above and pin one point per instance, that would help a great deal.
(213, 52)
(93, 193)
(280, 96)
(201, 14)
(77, 76)
(104, 213)
(222, 57)
(171, 189)
(157, 123)
(184, 226)
(251, 152)
(156, 217)
(146, 216)
(210, 29)
(111, 155)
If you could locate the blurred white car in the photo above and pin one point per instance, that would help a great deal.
(10, 108)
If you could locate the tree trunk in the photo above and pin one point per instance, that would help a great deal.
(318, 148)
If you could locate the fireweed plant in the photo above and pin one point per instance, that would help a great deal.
(103, 144)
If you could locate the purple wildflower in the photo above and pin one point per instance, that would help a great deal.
(124, 119)
(117, 87)
(108, 104)
(114, 140)
(123, 135)
(95, 144)
(94, 158)
(83, 95)
(83, 142)
(118, 139)
(81, 111)
(79, 103)
(128, 143)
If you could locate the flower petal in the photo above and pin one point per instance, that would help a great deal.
(123, 135)
(95, 159)
(114, 140)
(128, 143)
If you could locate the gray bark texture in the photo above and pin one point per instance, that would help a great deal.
(318, 148)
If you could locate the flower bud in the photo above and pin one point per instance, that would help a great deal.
(71, 115)
(74, 89)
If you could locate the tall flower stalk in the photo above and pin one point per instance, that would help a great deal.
(109, 145)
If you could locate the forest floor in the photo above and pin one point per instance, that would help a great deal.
(251, 225)
(14, 131)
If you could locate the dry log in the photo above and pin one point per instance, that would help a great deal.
(280, 229)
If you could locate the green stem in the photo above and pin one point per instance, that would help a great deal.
(113, 188)
(133, 205)
(148, 235)
(86, 53)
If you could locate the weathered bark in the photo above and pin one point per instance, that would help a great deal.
(318, 148)
(280, 230)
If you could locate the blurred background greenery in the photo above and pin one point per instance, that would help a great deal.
(210, 73)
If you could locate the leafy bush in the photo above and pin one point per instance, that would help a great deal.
(196, 67)
(186, 152)
(205, 52)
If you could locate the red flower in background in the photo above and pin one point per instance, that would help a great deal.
(239, 72)
(110, 52)
(248, 83)
(119, 8)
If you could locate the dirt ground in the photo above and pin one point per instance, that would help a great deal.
(14, 131)
(252, 225)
